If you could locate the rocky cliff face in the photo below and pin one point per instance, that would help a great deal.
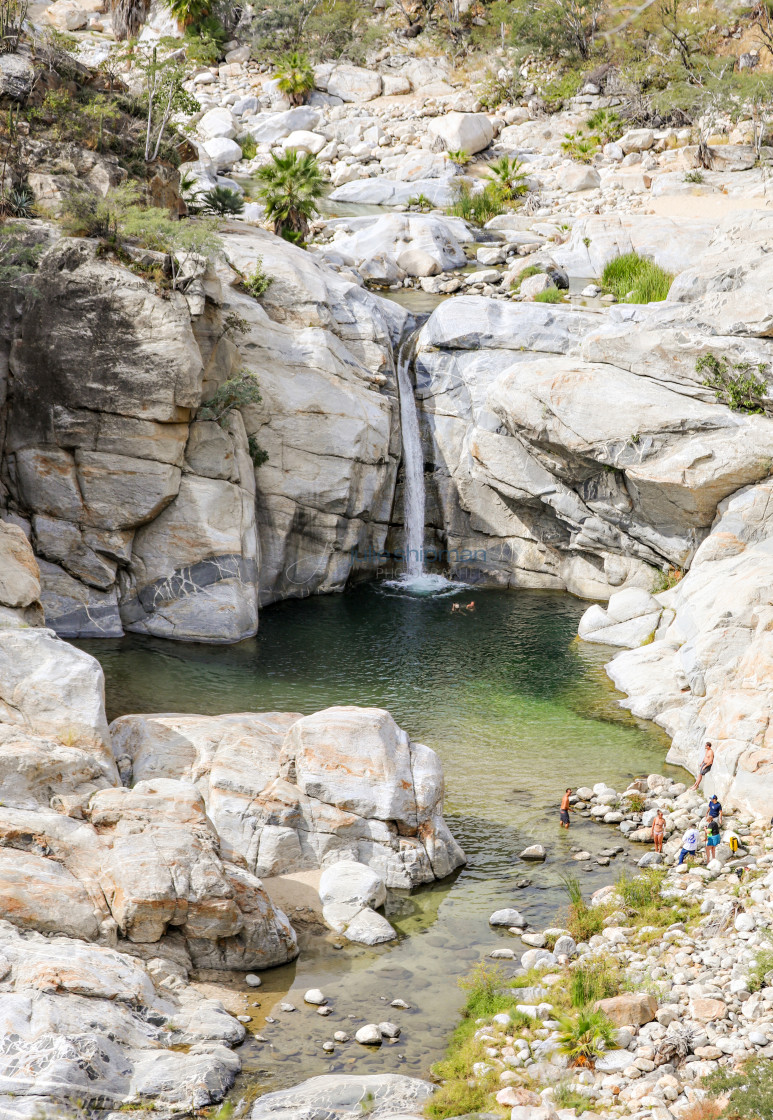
(580, 451)
(702, 665)
(144, 517)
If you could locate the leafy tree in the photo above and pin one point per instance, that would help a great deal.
(165, 95)
(290, 186)
(86, 214)
(295, 76)
(558, 27)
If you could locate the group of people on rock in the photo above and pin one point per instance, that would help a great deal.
(711, 828)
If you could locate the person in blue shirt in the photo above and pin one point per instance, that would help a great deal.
(714, 812)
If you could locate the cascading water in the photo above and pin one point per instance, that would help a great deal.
(414, 579)
(413, 467)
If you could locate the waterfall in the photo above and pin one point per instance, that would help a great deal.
(413, 466)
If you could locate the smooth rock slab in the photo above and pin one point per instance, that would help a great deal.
(339, 1096)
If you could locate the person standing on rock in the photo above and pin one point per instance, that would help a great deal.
(658, 828)
(708, 762)
(714, 812)
(712, 839)
(689, 845)
(566, 808)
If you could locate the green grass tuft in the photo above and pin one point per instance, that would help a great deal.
(634, 279)
(591, 982)
(550, 295)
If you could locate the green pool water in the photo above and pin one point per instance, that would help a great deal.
(516, 707)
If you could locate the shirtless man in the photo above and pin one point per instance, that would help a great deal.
(658, 828)
(566, 809)
(708, 762)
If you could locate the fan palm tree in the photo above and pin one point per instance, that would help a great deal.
(289, 188)
(295, 76)
(127, 17)
(509, 175)
(586, 1037)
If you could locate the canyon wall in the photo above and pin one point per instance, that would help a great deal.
(145, 516)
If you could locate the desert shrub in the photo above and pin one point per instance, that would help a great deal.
(583, 920)
(550, 295)
(499, 90)
(249, 147)
(459, 156)
(154, 229)
(530, 270)
(258, 455)
(564, 1096)
(763, 964)
(734, 383)
(664, 581)
(579, 146)
(590, 982)
(204, 41)
(258, 282)
(87, 214)
(640, 895)
(561, 89)
(421, 202)
(19, 255)
(750, 1089)
(634, 279)
(606, 125)
(695, 176)
(237, 392)
(479, 207)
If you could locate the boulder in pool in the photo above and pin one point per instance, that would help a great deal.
(288, 793)
(352, 883)
(341, 1096)
(507, 917)
(535, 852)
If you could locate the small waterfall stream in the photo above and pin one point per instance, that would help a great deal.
(413, 466)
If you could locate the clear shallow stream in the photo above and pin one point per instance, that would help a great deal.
(516, 708)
